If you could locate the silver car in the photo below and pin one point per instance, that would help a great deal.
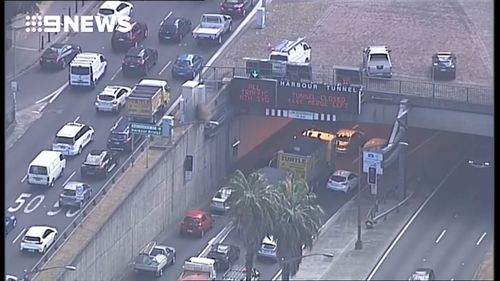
(377, 61)
(342, 180)
(220, 201)
(75, 194)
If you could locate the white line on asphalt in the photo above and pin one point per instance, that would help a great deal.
(56, 92)
(18, 236)
(168, 15)
(69, 178)
(355, 126)
(425, 141)
(24, 178)
(27, 49)
(165, 67)
(480, 239)
(452, 279)
(77, 118)
(440, 236)
(402, 232)
(116, 73)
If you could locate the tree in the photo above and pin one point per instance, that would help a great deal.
(252, 201)
(297, 220)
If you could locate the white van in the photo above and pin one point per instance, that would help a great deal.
(46, 168)
(72, 138)
(292, 51)
(86, 68)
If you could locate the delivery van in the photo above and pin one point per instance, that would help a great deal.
(46, 168)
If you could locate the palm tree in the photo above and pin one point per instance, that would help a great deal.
(297, 220)
(251, 201)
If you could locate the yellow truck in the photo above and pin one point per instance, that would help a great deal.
(148, 101)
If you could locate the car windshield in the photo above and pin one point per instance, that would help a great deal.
(32, 239)
(279, 57)
(69, 192)
(106, 97)
(268, 246)
(378, 57)
(337, 178)
(181, 62)
(79, 70)
(38, 170)
(234, 1)
(444, 58)
(64, 140)
(155, 252)
(170, 28)
(118, 136)
(52, 51)
(192, 221)
(343, 138)
(105, 11)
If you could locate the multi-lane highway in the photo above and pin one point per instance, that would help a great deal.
(36, 205)
(452, 232)
(330, 201)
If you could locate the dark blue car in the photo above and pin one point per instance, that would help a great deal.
(10, 223)
(187, 66)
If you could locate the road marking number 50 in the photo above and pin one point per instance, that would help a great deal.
(71, 212)
(32, 204)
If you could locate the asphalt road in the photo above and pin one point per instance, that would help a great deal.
(35, 205)
(330, 201)
(452, 232)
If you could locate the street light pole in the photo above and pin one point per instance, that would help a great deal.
(285, 273)
(27, 273)
(359, 244)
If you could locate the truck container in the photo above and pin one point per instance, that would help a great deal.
(148, 101)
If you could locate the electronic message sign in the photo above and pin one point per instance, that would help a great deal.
(247, 92)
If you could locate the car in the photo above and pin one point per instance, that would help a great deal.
(38, 238)
(482, 155)
(59, 55)
(236, 7)
(174, 28)
(197, 223)
(121, 139)
(72, 138)
(99, 162)
(11, 278)
(75, 194)
(187, 66)
(115, 9)
(122, 41)
(10, 224)
(422, 274)
(348, 141)
(342, 180)
(377, 61)
(268, 249)
(112, 98)
(444, 65)
(225, 255)
(139, 61)
(220, 201)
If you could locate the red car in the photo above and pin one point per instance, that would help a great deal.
(122, 41)
(197, 223)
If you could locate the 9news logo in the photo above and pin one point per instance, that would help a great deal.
(89, 24)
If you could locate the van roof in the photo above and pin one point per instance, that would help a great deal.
(45, 156)
(69, 130)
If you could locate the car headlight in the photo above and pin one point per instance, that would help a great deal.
(435, 64)
(486, 163)
(470, 161)
(452, 66)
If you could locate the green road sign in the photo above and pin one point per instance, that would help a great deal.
(254, 74)
(145, 129)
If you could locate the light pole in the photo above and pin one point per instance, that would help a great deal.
(27, 273)
(359, 243)
(403, 148)
(285, 273)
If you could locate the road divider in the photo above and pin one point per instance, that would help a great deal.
(165, 67)
(19, 236)
(52, 96)
(116, 73)
(480, 239)
(440, 236)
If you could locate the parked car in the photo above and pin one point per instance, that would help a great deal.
(342, 180)
(187, 66)
(174, 28)
(237, 7)
(197, 223)
(10, 224)
(139, 61)
(377, 61)
(220, 201)
(444, 65)
(75, 194)
(112, 98)
(268, 249)
(423, 274)
(115, 9)
(121, 139)
(38, 238)
(225, 255)
(122, 41)
(59, 55)
(99, 162)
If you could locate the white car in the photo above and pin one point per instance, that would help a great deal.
(72, 138)
(38, 238)
(11, 278)
(220, 200)
(112, 98)
(115, 9)
(268, 249)
(342, 180)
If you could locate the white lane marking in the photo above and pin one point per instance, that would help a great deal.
(402, 232)
(425, 141)
(168, 15)
(19, 235)
(24, 178)
(27, 49)
(70, 176)
(57, 211)
(41, 109)
(165, 67)
(480, 239)
(58, 92)
(77, 118)
(116, 73)
(34, 203)
(355, 126)
(440, 236)
(54, 93)
(452, 279)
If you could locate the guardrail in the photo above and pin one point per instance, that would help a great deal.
(372, 221)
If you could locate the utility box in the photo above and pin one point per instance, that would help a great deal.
(261, 18)
(167, 124)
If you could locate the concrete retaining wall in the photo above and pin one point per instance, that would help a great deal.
(155, 205)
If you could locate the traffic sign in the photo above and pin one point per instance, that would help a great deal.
(145, 129)
(373, 159)
(254, 74)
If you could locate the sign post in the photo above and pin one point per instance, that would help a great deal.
(147, 130)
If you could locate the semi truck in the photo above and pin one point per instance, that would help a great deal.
(154, 258)
(213, 27)
(199, 269)
(148, 101)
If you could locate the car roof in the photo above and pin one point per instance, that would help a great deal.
(111, 4)
(269, 240)
(37, 231)
(58, 45)
(342, 173)
(195, 214)
(110, 90)
(45, 156)
(185, 56)
(69, 130)
(120, 126)
(72, 185)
